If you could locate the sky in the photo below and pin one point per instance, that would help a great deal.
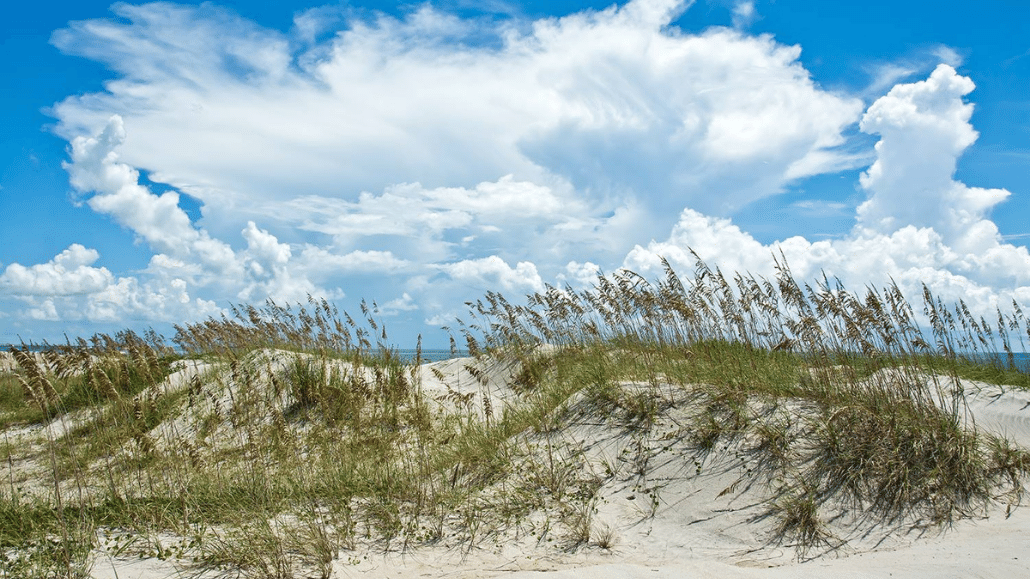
(160, 162)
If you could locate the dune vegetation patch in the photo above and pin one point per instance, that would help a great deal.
(295, 441)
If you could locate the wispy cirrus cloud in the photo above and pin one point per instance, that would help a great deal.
(744, 13)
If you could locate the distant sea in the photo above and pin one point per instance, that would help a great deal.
(405, 354)
(432, 355)
(1022, 360)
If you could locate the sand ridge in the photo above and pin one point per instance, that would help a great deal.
(664, 511)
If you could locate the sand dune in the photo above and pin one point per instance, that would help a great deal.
(700, 528)
(661, 511)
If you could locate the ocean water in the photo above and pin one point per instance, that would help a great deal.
(1022, 359)
(407, 354)
(431, 355)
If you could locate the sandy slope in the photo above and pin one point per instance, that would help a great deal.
(1000, 410)
(700, 531)
(670, 515)
(710, 524)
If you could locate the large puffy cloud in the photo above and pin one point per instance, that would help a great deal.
(185, 255)
(267, 263)
(612, 101)
(68, 273)
(924, 128)
(424, 159)
(493, 273)
(918, 225)
(68, 287)
(429, 150)
(95, 167)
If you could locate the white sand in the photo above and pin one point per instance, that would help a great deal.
(696, 533)
(705, 523)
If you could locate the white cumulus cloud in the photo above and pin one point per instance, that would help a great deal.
(423, 159)
(917, 226)
(68, 273)
(611, 101)
(68, 287)
(924, 128)
(492, 273)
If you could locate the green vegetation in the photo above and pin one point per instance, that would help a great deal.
(285, 438)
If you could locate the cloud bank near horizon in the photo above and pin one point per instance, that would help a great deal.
(424, 160)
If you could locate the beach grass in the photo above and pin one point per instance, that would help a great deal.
(280, 440)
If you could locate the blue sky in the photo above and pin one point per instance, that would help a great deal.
(161, 161)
